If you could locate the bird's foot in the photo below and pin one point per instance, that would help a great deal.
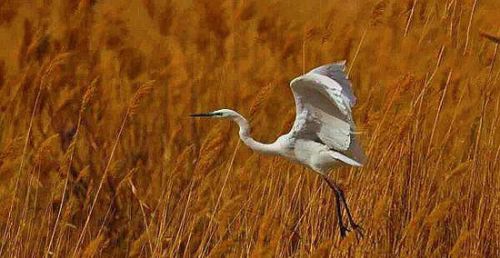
(343, 231)
(360, 232)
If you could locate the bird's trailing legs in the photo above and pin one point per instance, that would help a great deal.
(342, 227)
(340, 198)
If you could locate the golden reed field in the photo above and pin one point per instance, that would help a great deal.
(99, 157)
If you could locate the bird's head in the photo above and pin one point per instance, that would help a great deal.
(221, 113)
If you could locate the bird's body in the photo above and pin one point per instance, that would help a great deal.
(323, 134)
(314, 154)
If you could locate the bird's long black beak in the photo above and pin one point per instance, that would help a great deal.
(202, 115)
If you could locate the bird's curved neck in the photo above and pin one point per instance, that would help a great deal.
(249, 141)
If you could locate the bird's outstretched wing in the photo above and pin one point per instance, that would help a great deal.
(335, 71)
(323, 99)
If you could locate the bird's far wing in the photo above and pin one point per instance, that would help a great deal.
(335, 71)
(323, 114)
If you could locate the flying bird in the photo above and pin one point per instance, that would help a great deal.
(323, 135)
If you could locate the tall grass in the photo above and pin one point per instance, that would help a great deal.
(98, 156)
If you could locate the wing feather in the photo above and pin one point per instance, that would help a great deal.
(335, 71)
(324, 112)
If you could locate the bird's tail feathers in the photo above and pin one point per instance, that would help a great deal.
(345, 159)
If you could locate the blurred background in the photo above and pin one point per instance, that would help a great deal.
(98, 156)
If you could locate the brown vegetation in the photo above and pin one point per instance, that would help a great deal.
(98, 156)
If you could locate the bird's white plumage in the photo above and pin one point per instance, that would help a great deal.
(321, 112)
(335, 71)
(323, 107)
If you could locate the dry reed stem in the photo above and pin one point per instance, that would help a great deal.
(131, 109)
(54, 62)
(469, 26)
(217, 203)
(85, 101)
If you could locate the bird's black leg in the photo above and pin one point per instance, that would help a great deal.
(357, 228)
(342, 227)
(341, 199)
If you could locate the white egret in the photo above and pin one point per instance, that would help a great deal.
(323, 134)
